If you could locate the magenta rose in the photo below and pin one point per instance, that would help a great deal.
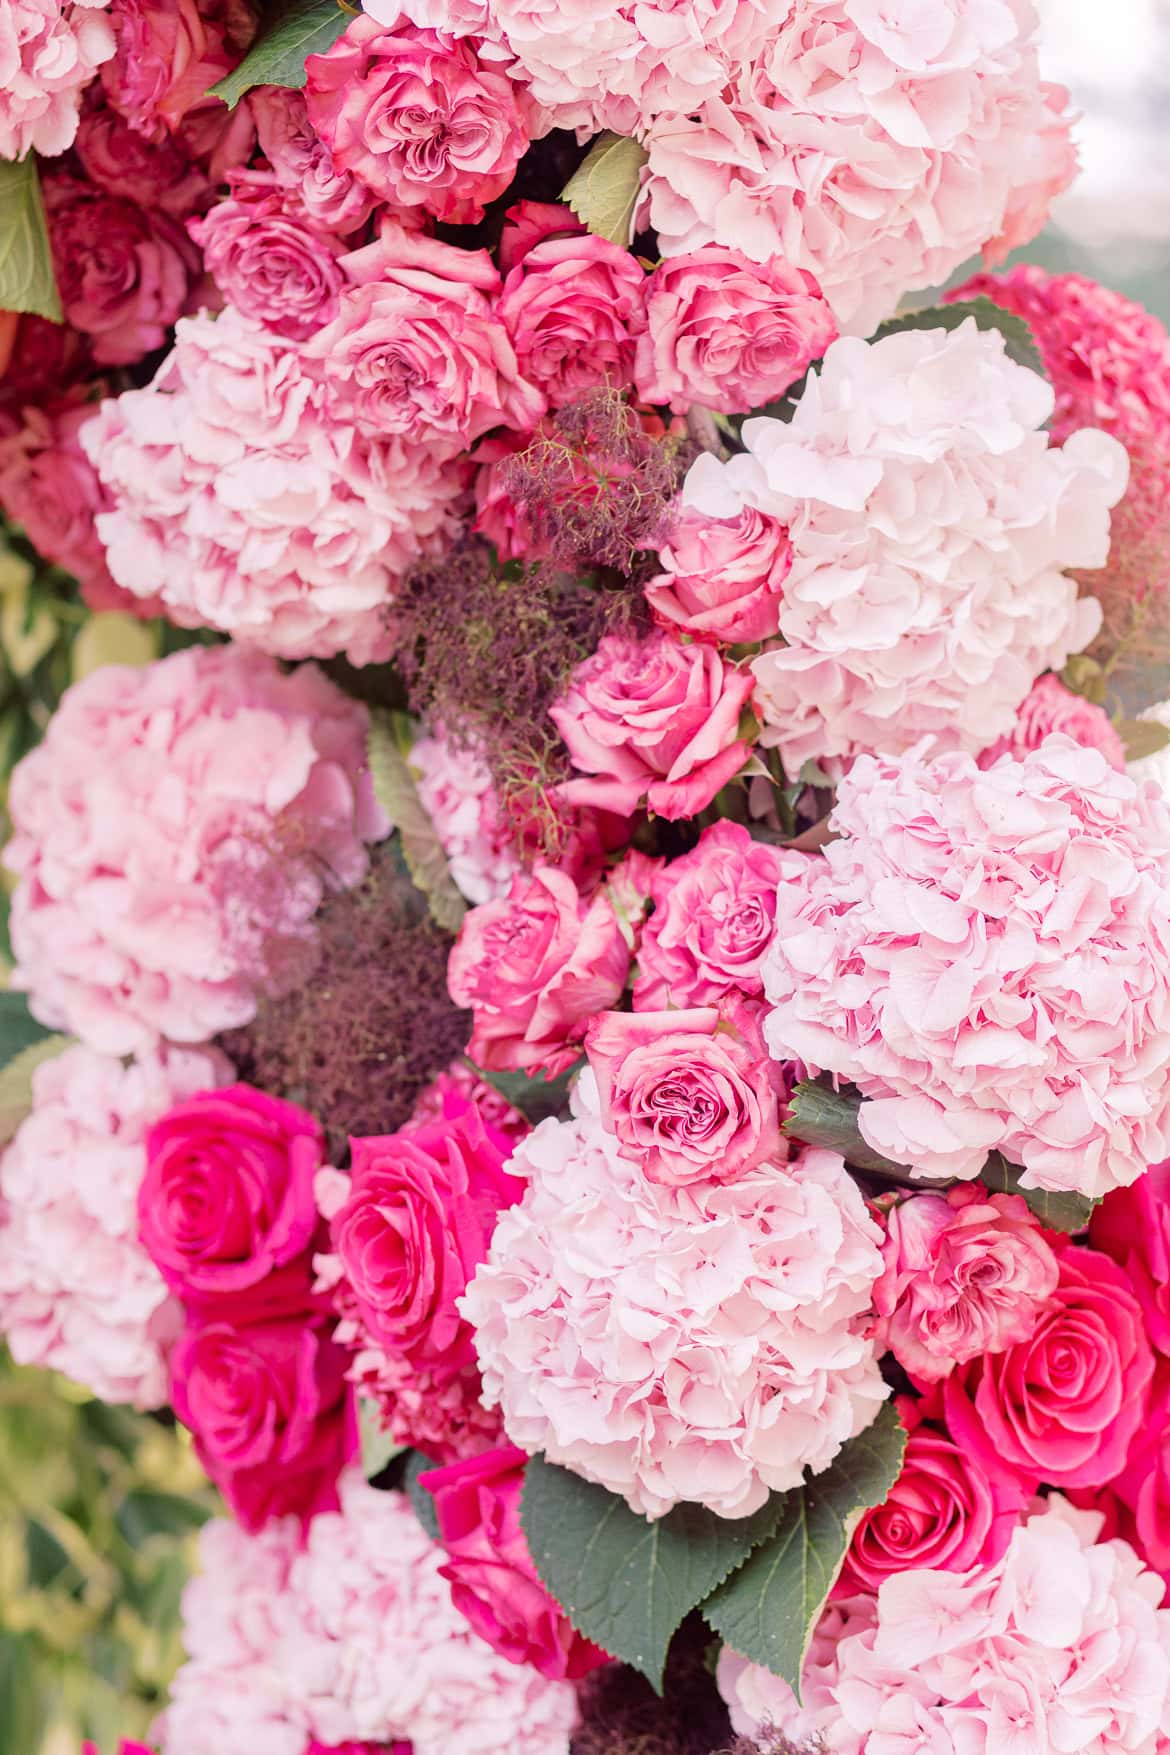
(1143, 1486)
(420, 1214)
(653, 719)
(689, 1094)
(573, 307)
(944, 1513)
(722, 577)
(966, 1273)
(152, 173)
(1133, 1226)
(268, 258)
(226, 1208)
(534, 967)
(418, 117)
(299, 159)
(492, 1578)
(1048, 709)
(1063, 1406)
(728, 333)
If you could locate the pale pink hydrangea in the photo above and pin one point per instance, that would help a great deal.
(456, 791)
(244, 495)
(352, 1638)
(49, 52)
(929, 519)
(986, 955)
(78, 1293)
(174, 833)
(611, 1313)
(1059, 1646)
(876, 148)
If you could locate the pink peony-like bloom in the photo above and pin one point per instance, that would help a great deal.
(78, 1293)
(726, 333)
(534, 967)
(455, 789)
(1133, 1226)
(529, 223)
(490, 1571)
(301, 162)
(169, 54)
(49, 52)
(653, 719)
(175, 831)
(417, 117)
(1049, 707)
(929, 519)
(243, 493)
(574, 308)
(151, 173)
(967, 1274)
(722, 578)
(1060, 1645)
(986, 955)
(268, 258)
(661, 1401)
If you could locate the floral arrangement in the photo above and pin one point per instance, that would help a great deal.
(589, 999)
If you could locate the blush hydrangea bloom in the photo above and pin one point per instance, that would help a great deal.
(986, 954)
(456, 791)
(1061, 1645)
(78, 1292)
(611, 1312)
(175, 832)
(243, 493)
(929, 520)
(49, 52)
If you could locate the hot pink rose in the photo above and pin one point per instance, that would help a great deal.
(417, 117)
(966, 1273)
(529, 223)
(574, 309)
(1142, 1488)
(268, 258)
(1063, 1406)
(300, 160)
(534, 967)
(723, 577)
(653, 719)
(690, 1095)
(490, 1571)
(944, 1512)
(1133, 1226)
(226, 1209)
(1049, 707)
(728, 333)
(125, 1747)
(169, 53)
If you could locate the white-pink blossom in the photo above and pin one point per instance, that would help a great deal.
(456, 791)
(49, 52)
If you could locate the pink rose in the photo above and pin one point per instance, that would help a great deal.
(492, 1578)
(653, 719)
(728, 333)
(574, 309)
(152, 173)
(1143, 1486)
(1133, 1226)
(722, 577)
(944, 1512)
(529, 223)
(316, 1748)
(268, 258)
(534, 967)
(125, 1747)
(966, 1273)
(226, 1209)
(300, 160)
(1063, 1406)
(417, 117)
(690, 1095)
(1049, 707)
(169, 53)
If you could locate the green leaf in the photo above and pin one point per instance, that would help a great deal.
(27, 281)
(303, 28)
(624, 1582)
(1018, 338)
(1084, 676)
(378, 1449)
(821, 1116)
(18, 1028)
(421, 848)
(144, 1513)
(1142, 737)
(16, 1082)
(1059, 1211)
(421, 1501)
(603, 190)
(768, 1609)
(23, 1699)
(536, 1098)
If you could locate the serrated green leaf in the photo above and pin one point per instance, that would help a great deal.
(18, 1028)
(603, 190)
(304, 28)
(1019, 341)
(767, 1610)
(16, 1082)
(27, 281)
(1142, 737)
(1060, 1211)
(423, 1504)
(535, 1098)
(422, 850)
(378, 1449)
(821, 1116)
(625, 1583)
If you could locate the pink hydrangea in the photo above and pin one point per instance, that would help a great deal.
(1049, 706)
(929, 519)
(986, 954)
(875, 150)
(1059, 1646)
(661, 1401)
(353, 1639)
(175, 832)
(456, 791)
(49, 52)
(269, 258)
(78, 1292)
(243, 494)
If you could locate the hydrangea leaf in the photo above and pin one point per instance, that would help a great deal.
(536, 1098)
(1059, 1210)
(624, 1582)
(421, 1501)
(18, 1028)
(16, 1093)
(277, 57)
(422, 850)
(27, 281)
(1019, 341)
(603, 190)
(768, 1609)
(1142, 737)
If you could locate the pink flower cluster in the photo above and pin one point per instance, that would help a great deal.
(1050, 708)
(49, 52)
(175, 833)
(456, 791)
